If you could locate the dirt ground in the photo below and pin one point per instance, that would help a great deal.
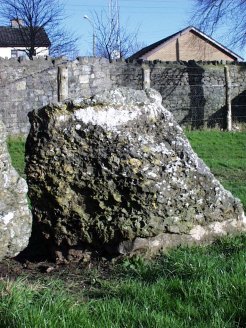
(84, 273)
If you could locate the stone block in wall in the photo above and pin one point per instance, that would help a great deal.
(84, 79)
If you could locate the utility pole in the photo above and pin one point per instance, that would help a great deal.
(113, 6)
(114, 15)
(93, 35)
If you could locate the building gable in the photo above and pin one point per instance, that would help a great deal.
(187, 44)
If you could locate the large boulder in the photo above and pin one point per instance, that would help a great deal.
(15, 216)
(117, 172)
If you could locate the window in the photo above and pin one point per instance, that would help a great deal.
(18, 53)
(14, 53)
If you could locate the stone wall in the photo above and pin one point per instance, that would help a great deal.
(193, 91)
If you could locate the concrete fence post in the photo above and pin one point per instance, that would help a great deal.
(146, 77)
(228, 97)
(62, 83)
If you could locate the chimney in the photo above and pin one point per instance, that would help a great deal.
(16, 23)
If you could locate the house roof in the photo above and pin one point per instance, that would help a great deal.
(18, 37)
(174, 36)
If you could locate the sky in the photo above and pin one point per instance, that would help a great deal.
(154, 19)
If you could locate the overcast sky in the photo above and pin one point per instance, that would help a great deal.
(155, 19)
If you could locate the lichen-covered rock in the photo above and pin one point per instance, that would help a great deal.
(15, 216)
(117, 171)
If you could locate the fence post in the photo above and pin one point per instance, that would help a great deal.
(146, 77)
(62, 80)
(228, 97)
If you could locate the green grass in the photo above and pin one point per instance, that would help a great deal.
(225, 155)
(200, 287)
(190, 287)
(16, 147)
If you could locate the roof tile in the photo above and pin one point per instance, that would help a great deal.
(19, 37)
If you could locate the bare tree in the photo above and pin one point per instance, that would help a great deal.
(63, 43)
(210, 14)
(112, 40)
(35, 17)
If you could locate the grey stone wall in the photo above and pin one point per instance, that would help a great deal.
(193, 91)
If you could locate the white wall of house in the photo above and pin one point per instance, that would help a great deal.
(20, 51)
(42, 51)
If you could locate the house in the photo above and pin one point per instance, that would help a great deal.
(14, 40)
(187, 44)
